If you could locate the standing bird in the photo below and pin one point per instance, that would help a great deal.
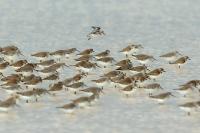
(171, 55)
(130, 49)
(143, 58)
(41, 55)
(102, 54)
(180, 61)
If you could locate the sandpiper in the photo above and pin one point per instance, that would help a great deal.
(32, 94)
(154, 74)
(33, 82)
(52, 69)
(152, 87)
(97, 31)
(40, 55)
(27, 69)
(101, 82)
(63, 53)
(188, 107)
(75, 87)
(131, 48)
(105, 61)
(10, 52)
(102, 54)
(112, 74)
(56, 86)
(125, 82)
(143, 58)
(19, 63)
(171, 55)
(123, 62)
(139, 69)
(46, 63)
(3, 66)
(12, 77)
(85, 66)
(27, 95)
(184, 90)
(94, 90)
(10, 83)
(28, 78)
(12, 89)
(86, 52)
(180, 61)
(82, 102)
(68, 108)
(85, 58)
(140, 78)
(125, 67)
(128, 90)
(160, 98)
(54, 76)
(8, 103)
(192, 83)
(79, 77)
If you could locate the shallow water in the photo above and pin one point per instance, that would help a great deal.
(160, 26)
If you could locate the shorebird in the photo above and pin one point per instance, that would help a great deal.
(102, 54)
(97, 31)
(101, 82)
(3, 66)
(154, 74)
(8, 103)
(123, 63)
(46, 63)
(86, 52)
(26, 69)
(84, 58)
(54, 76)
(180, 61)
(81, 102)
(63, 53)
(125, 67)
(32, 94)
(56, 86)
(143, 58)
(94, 90)
(75, 87)
(171, 55)
(105, 61)
(19, 63)
(85, 66)
(128, 90)
(27, 78)
(8, 78)
(40, 55)
(160, 98)
(192, 83)
(68, 108)
(112, 74)
(12, 89)
(152, 87)
(189, 107)
(33, 82)
(125, 82)
(184, 90)
(10, 52)
(139, 69)
(130, 49)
